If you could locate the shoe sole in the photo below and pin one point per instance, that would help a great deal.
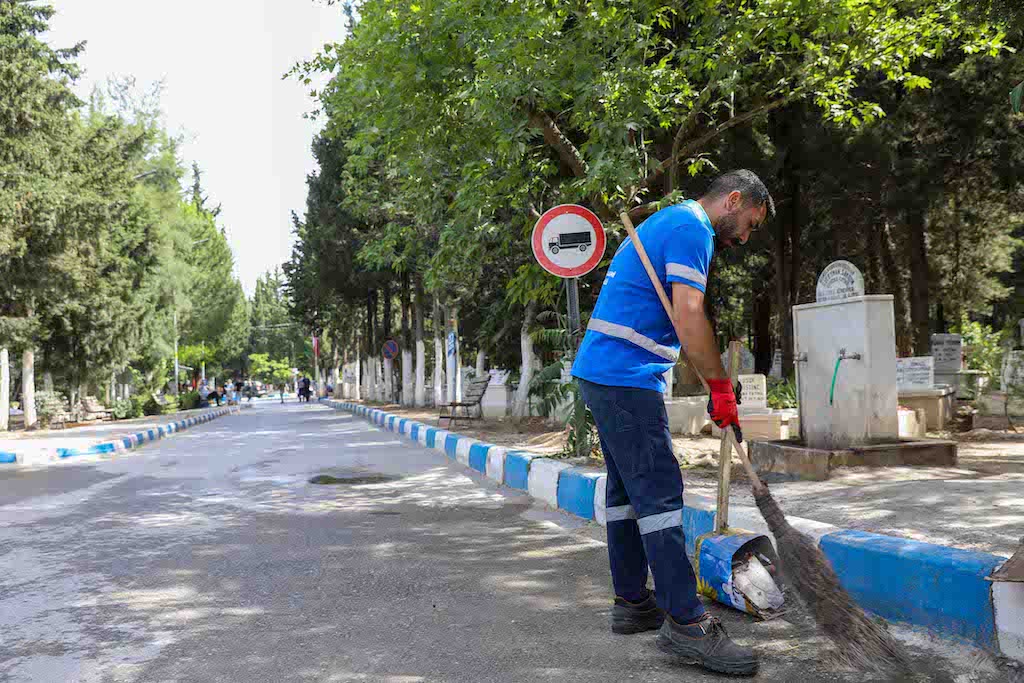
(690, 656)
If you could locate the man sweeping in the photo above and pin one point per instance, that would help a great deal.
(630, 344)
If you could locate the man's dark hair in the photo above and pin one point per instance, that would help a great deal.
(747, 184)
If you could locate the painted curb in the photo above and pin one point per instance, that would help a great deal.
(543, 479)
(940, 588)
(117, 445)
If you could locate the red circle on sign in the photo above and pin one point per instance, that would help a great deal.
(538, 241)
(390, 349)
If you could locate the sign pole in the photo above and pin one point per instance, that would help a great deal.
(573, 298)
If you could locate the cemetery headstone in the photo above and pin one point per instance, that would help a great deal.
(947, 350)
(840, 280)
(755, 392)
(746, 360)
(1013, 370)
(776, 370)
(914, 374)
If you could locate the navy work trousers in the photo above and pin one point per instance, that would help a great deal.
(644, 498)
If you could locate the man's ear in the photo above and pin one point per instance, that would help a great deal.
(734, 200)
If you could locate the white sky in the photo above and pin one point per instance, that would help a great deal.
(221, 62)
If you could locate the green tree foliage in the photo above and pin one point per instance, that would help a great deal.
(99, 247)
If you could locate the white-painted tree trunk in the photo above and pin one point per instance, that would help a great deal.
(670, 377)
(47, 380)
(521, 406)
(451, 357)
(5, 389)
(389, 375)
(481, 362)
(439, 376)
(407, 387)
(28, 387)
(421, 374)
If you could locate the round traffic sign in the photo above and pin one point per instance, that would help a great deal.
(390, 349)
(568, 240)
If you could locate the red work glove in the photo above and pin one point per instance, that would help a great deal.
(722, 406)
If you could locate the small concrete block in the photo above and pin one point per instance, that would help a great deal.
(496, 463)
(462, 449)
(478, 456)
(600, 498)
(543, 481)
(576, 490)
(1008, 600)
(403, 426)
(517, 469)
(421, 436)
(414, 431)
(8, 458)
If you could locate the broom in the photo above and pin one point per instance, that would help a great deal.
(864, 643)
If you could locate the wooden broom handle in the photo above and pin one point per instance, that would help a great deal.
(755, 481)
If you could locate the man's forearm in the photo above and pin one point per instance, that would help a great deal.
(699, 346)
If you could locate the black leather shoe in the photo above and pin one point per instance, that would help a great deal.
(707, 644)
(636, 617)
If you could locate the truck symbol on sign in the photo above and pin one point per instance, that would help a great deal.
(570, 240)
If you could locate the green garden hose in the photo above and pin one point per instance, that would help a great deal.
(832, 391)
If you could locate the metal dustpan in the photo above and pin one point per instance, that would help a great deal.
(738, 568)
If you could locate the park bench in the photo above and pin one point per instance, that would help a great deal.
(92, 409)
(472, 395)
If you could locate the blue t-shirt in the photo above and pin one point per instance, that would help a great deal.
(630, 341)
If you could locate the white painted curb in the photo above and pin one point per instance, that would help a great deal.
(543, 480)
(1008, 602)
(421, 435)
(600, 492)
(462, 449)
(496, 464)
(440, 436)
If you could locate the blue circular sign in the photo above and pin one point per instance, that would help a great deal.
(390, 349)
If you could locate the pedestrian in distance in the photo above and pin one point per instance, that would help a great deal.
(629, 345)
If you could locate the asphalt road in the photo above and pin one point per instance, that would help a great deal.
(210, 556)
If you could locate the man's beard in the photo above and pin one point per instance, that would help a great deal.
(727, 230)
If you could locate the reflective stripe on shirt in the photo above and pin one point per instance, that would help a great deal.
(679, 270)
(634, 337)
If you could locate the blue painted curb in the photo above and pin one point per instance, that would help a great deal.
(125, 442)
(941, 588)
(478, 457)
(576, 491)
(451, 443)
(517, 470)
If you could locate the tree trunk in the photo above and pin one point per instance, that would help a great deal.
(788, 228)
(481, 362)
(5, 389)
(388, 383)
(28, 388)
(898, 288)
(440, 394)
(521, 406)
(406, 344)
(919, 281)
(764, 351)
(421, 351)
(451, 356)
